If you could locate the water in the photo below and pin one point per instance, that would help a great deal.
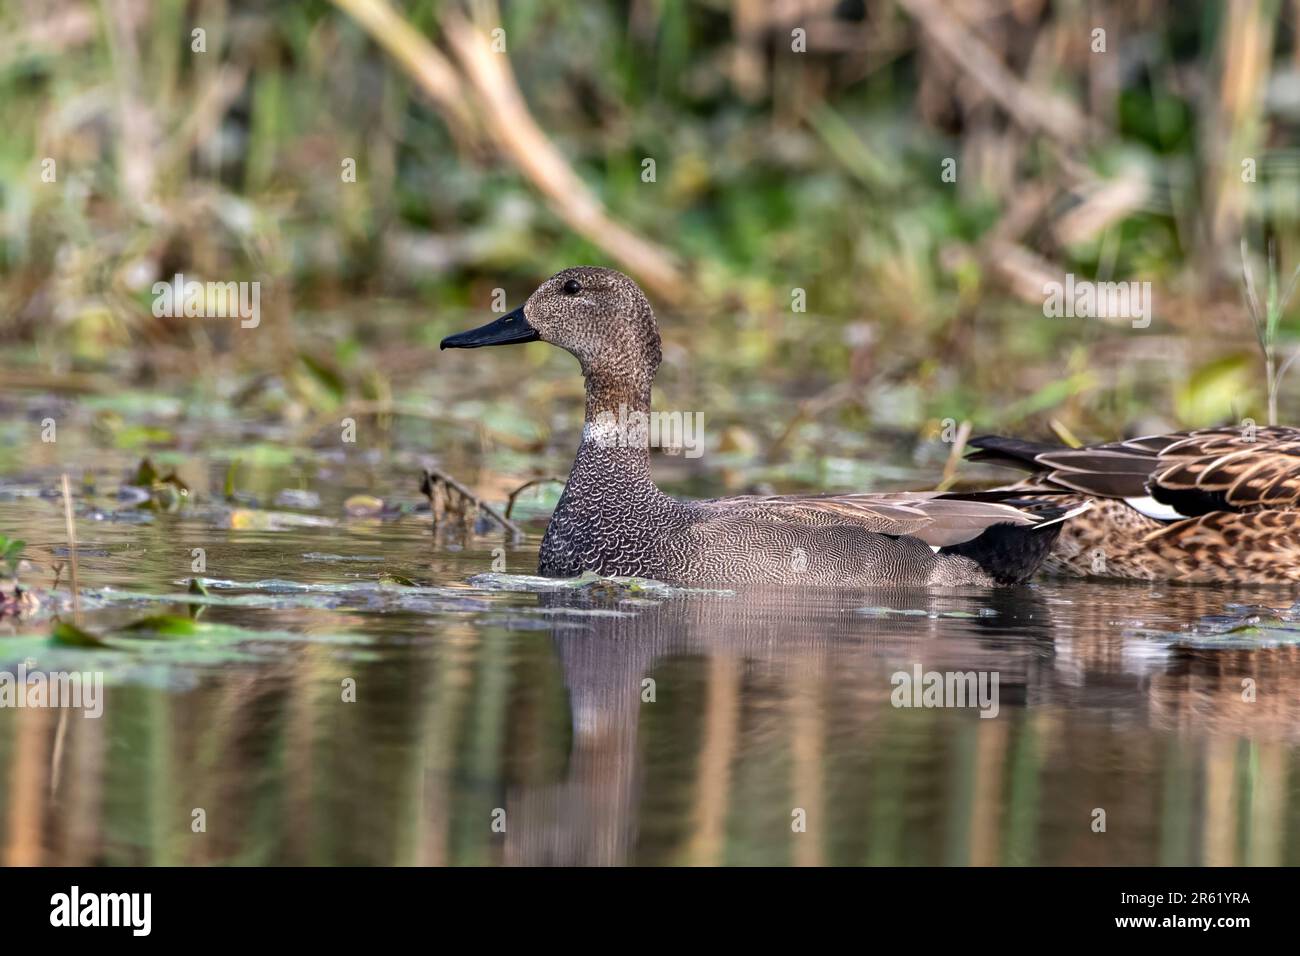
(496, 724)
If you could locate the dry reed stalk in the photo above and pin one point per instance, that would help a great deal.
(1234, 133)
(419, 58)
(1031, 109)
(504, 115)
(72, 548)
(512, 125)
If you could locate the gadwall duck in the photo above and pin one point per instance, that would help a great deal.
(613, 520)
(1212, 505)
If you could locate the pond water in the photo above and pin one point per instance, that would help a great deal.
(369, 690)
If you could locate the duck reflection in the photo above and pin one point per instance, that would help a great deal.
(698, 679)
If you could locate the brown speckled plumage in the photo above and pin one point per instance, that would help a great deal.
(612, 519)
(1234, 495)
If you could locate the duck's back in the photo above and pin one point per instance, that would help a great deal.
(797, 541)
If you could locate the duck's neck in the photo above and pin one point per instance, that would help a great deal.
(610, 499)
(615, 430)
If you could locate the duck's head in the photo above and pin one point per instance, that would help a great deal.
(598, 315)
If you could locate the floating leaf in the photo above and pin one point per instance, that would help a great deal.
(499, 581)
(137, 436)
(363, 506)
(164, 625)
(297, 498)
(72, 636)
(248, 519)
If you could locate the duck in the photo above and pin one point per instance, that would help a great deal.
(1209, 505)
(613, 520)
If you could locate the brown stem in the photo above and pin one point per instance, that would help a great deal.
(510, 502)
(434, 476)
(72, 548)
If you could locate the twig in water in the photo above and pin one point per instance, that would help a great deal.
(72, 549)
(433, 477)
(56, 755)
(510, 502)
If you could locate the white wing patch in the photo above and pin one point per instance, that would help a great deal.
(1154, 509)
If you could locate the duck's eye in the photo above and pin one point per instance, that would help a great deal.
(572, 287)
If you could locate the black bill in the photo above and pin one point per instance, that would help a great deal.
(506, 330)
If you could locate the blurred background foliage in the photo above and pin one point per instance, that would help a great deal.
(495, 144)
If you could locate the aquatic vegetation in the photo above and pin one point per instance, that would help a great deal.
(923, 612)
(1267, 318)
(11, 551)
(15, 600)
(157, 491)
(587, 581)
(1239, 626)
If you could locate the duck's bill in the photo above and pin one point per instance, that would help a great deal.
(507, 330)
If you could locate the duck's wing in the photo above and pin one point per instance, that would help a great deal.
(1202, 474)
(937, 519)
(1261, 546)
(1171, 476)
